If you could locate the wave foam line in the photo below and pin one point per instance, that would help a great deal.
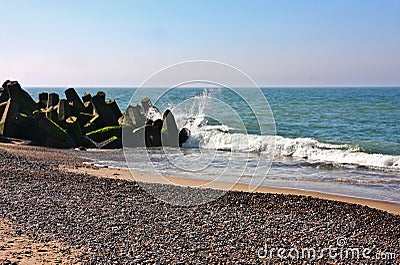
(301, 148)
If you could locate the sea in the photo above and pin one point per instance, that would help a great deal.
(335, 140)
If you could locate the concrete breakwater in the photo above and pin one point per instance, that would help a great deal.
(85, 122)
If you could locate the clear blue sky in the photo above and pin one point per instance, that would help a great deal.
(278, 43)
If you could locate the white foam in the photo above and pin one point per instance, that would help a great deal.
(219, 137)
(300, 148)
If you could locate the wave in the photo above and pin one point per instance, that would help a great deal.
(224, 138)
(343, 155)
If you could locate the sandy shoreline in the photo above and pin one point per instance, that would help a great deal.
(79, 167)
(100, 216)
(150, 178)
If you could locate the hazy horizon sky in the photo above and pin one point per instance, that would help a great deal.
(277, 43)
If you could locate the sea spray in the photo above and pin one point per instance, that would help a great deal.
(222, 137)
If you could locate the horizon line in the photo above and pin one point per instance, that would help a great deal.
(260, 86)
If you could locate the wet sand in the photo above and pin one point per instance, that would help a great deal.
(195, 183)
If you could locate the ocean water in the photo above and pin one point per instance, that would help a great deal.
(335, 140)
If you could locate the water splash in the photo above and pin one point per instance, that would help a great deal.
(193, 117)
(224, 138)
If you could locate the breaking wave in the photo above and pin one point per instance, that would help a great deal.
(219, 138)
(224, 138)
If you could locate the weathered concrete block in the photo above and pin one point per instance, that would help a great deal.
(84, 118)
(138, 115)
(146, 104)
(134, 116)
(148, 135)
(134, 137)
(2, 108)
(111, 143)
(183, 135)
(105, 133)
(106, 117)
(150, 112)
(96, 121)
(101, 94)
(26, 126)
(7, 127)
(53, 100)
(4, 94)
(88, 127)
(25, 102)
(63, 110)
(52, 113)
(156, 132)
(74, 130)
(38, 115)
(86, 97)
(43, 98)
(4, 85)
(121, 120)
(169, 131)
(74, 98)
(23, 120)
(114, 108)
(88, 107)
(55, 135)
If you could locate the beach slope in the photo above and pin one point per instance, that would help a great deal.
(113, 220)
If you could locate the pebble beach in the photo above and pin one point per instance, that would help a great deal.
(96, 220)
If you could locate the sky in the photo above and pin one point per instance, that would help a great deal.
(276, 43)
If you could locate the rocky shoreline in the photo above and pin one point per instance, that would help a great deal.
(113, 221)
